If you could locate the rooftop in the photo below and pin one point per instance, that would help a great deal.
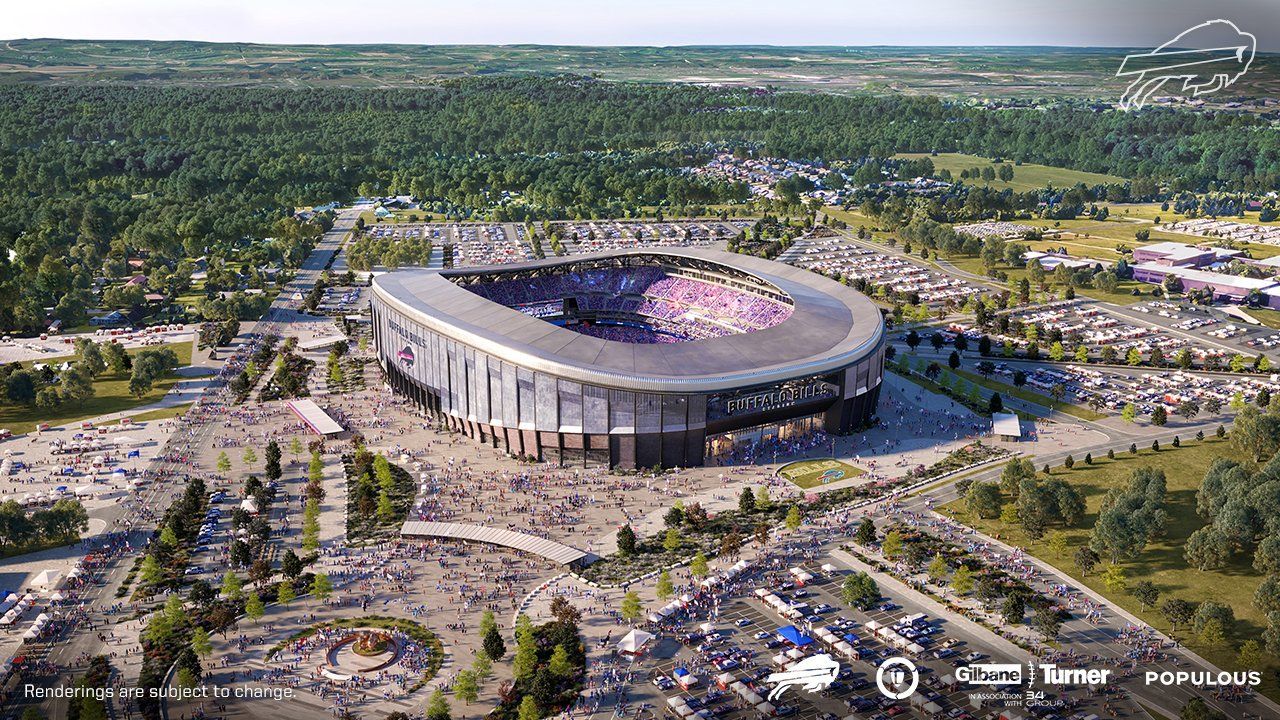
(831, 326)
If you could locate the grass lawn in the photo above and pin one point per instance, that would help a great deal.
(1162, 562)
(111, 395)
(163, 413)
(1270, 318)
(814, 473)
(1007, 390)
(1122, 296)
(1027, 176)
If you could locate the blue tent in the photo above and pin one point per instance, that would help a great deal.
(851, 638)
(794, 636)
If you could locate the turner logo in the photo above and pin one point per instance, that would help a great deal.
(990, 674)
(812, 673)
(406, 356)
(1206, 58)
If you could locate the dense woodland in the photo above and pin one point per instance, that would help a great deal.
(93, 176)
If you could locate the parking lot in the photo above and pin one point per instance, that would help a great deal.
(746, 639)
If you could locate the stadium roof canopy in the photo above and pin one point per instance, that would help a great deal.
(831, 326)
(549, 549)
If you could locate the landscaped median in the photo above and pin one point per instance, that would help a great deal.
(693, 535)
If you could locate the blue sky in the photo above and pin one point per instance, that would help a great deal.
(1130, 23)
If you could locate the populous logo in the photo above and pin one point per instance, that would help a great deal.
(813, 673)
(406, 356)
(897, 678)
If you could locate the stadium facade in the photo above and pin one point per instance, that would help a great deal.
(633, 358)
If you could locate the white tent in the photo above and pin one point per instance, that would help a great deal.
(47, 578)
(634, 642)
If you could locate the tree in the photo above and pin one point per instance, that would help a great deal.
(866, 533)
(747, 501)
(1047, 623)
(200, 642)
(1196, 709)
(560, 664)
(466, 687)
(249, 457)
(938, 568)
(482, 666)
(437, 706)
(763, 503)
(962, 580)
(671, 541)
(631, 610)
(285, 593)
(892, 546)
(665, 588)
(565, 612)
(983, 500)
(321, 587)
(913, 340)
(493, 645)
(223, 463)
(291, 564)
(528, 709)
(1250, 655)
(1177, 612)
(1146, 593)
(526, 659)
(860, 590)
(698, 567)
(253, 607)
(1014, 607)
(232, 587)
(1129, 413)
(626, 540)
(793, 519)
(1113, 576)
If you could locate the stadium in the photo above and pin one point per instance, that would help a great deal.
(634, 358)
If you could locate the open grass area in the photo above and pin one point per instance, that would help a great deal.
(1123, 294)
(1027, 176)
(1270, 318)
(1162, 562)
(815, 473)
(1007, 390)
(111, 395)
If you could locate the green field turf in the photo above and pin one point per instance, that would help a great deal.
(1162, 562)
(816, 473)
(111, 395)
(1027, 176)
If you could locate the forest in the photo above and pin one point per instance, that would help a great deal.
(93, 176)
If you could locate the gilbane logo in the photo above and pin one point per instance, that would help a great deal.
(990, 674)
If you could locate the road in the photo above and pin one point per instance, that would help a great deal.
(167, 486)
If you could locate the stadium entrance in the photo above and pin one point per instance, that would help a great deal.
(736, 445)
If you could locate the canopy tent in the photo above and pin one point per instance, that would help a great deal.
(1006, 425)
(47, 578)
(634, 642)
(793, 635)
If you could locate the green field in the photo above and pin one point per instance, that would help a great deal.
(1027, 176)
(111, 395)
(980, 72)
(1162, 562)
(810, 473)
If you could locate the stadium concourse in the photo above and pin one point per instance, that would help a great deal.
(632, 358)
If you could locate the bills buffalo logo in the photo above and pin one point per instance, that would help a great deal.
(406, 356)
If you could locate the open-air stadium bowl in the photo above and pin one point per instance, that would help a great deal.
(693, 381)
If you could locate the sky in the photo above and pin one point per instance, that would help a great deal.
(1123, 23)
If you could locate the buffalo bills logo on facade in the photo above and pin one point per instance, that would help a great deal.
(406, 356)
